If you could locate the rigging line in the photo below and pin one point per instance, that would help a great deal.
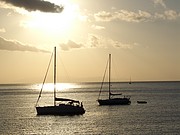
(44, 79)
(68, 77)
(116, 73)
(103, 78)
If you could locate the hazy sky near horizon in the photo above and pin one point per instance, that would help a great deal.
(143, 37)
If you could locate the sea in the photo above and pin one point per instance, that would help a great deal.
(160, 116)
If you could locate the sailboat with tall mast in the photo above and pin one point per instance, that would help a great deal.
(65, 107)
(111, 100)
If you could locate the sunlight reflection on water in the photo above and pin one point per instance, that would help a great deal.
(59, 86)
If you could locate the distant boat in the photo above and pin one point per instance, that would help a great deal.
(111, 100)
(65, 107)
(142, 102)
(130, 81)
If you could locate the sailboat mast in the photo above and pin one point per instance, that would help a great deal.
(54, 76)
(109, 76)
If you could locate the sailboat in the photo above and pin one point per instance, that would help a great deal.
(65, 107)
(130, 81)
(111, 100)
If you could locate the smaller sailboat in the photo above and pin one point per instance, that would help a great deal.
(111, 100)
(65, 107)
(130, 80)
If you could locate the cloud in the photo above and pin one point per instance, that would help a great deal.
(137, 17)
(140, 16)
(70, 45)
(104, 16)
(160, 2)
(11, 45)
(167, 15)
(118, 44)
(171, 14)
(159, 16)
(124, 15)
(96, 27)
(95, 41)
(2, 30)
(33, 5)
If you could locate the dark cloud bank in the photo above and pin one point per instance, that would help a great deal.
(33, 5)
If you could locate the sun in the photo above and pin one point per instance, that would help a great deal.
(55, 22)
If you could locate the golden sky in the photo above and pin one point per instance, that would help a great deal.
(142, 36)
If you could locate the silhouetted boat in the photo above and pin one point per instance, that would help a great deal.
(112, 101)
(65, 107)
(142, 102)
(130, 81)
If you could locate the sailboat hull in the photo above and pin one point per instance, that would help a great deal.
(114, 101)
(62, 109)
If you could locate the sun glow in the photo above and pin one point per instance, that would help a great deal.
(59, 86)
(54, 22)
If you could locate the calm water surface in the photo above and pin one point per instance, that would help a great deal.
(161, 115)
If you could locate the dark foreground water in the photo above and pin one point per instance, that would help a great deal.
(161, 115)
